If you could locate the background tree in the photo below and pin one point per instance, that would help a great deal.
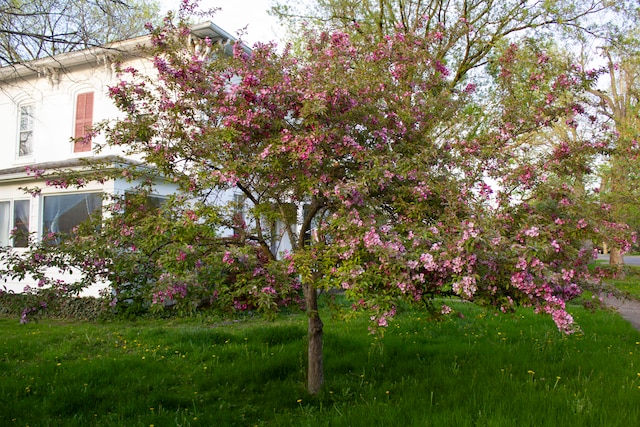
(39, 28)
(617, 101)
(468, 30)
(389, 183)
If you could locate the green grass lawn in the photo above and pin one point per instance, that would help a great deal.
(630, 283)
(476, 370)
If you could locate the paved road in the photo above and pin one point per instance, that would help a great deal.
(629, 309)
(628, 259)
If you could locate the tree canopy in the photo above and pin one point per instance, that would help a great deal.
(469, 30)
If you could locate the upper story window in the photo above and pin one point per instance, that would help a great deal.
(83, 122)
(25, 135)
(14, 217)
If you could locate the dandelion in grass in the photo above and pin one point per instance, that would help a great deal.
(531, 374)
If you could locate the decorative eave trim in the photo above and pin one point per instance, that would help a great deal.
(51, 67)
(20, 174)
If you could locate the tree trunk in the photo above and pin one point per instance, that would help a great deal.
(315, 371)
(616, 259)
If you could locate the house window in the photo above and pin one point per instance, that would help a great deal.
(238, 207)
(64, 212)
(21, 223)
(5, 223)
(143, 204)
(25, 138)
(83, 122)
(14, 218)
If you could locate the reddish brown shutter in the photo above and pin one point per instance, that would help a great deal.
(84, 121)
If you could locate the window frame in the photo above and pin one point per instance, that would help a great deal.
(31, 129)
(12, 223)
(44, 230)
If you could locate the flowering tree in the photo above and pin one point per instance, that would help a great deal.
(388, 182)
(468, 30)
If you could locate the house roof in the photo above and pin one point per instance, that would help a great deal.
(212, 31)
(20, 173)
(94, 55)
(101, 54)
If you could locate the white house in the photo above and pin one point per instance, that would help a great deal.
(44, 105)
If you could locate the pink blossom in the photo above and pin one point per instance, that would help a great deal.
(465, 287)
(532, 232)
(470, 88)
(412, 264)
(427, 261)
(268, 290)
(567, 275)
(228, 258)
(402, 286)
(372, 239)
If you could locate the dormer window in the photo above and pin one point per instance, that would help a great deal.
(83, 122)
(25, 137)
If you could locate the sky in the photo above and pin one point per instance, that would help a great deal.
(237, 14)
